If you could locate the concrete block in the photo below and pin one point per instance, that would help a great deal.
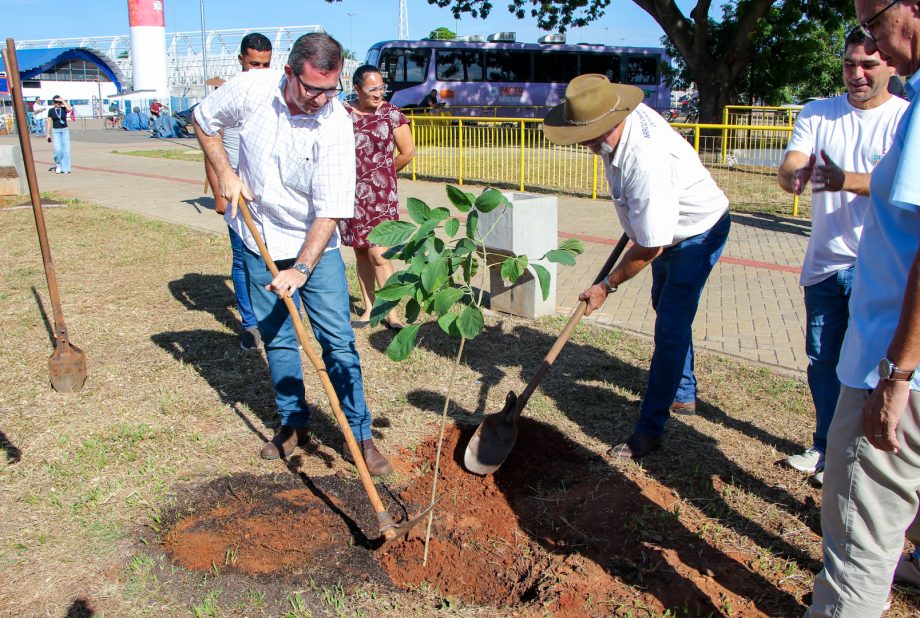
(13, 179)
(529, 227)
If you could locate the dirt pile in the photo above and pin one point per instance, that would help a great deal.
(557, 530)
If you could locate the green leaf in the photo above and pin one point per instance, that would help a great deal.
(464, 246)
(395, 291)
(403, 343)
(452, 227)
(490, 200)
(423, 230)
(418, 210)
(470, 322)
(413, 308)
(561, 256)
(382, 309)
(472, 224)
(543, 277)
(513, 268)
(394, 252)
(445, 299)
(574, 245)
(470, 267)
(448, 323)
(390, 233)
(459, 199)
(439, 214)
(435, 274)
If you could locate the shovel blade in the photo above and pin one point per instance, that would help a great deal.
(493, 440)
(398, 531)
(67, 367)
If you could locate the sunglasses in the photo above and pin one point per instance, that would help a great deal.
(312, 92)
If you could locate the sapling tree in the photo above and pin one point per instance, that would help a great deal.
(437, 282)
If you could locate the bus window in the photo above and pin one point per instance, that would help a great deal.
(555, 66)
(605, 64)
(507, 66)
(458, 65)
(642, 70)
(401, 67)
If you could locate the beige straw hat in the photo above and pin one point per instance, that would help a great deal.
(592, 107)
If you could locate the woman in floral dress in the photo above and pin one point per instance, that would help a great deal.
(379, 126)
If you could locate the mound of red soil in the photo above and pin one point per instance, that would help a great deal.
(557, 530)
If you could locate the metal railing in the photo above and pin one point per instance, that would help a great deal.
(512, 152)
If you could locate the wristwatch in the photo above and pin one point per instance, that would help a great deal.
(303, 269)
(887, 370)
(610, 289)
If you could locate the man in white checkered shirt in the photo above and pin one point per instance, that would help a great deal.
(297, 171)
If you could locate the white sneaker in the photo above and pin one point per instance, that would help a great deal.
(57, 170)
(810, 461)
(818, 478)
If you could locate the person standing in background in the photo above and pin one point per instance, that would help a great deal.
(59, 134)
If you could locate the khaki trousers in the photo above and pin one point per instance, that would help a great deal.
(870, 500)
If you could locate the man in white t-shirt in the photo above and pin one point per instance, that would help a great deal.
(675, 215)
(39, 116)
(851, 132)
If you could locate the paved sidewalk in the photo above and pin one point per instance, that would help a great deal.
(751, 308)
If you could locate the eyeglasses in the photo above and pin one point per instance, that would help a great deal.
(313, 92)
(864, 25)
(377, 89)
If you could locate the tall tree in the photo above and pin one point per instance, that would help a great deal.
(717, 54)
(442, 34)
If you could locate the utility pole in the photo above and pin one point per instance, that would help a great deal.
(204, 52)
(351, 32)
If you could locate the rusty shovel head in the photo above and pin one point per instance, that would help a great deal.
(391, 532)
(67, 367)
(493, 440)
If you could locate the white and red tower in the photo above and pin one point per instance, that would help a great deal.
(148, 47)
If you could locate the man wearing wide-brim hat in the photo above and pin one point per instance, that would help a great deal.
(674, 214)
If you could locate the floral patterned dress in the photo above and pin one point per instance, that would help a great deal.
(376, 199)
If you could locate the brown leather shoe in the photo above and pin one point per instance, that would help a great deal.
(284, 442)
(684, 408)
(636, 446)
(376, 463)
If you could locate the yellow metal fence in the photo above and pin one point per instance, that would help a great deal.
(512, 152)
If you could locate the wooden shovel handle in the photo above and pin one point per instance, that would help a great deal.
(563, 338)
(382, 516)
(12, 74)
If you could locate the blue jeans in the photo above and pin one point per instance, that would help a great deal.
(60, 139)
(827, 313)
(238, 275)
(678, 277)
(325, 297)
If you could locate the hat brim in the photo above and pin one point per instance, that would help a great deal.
(560, 131)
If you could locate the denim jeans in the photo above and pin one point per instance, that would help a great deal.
(60, 139)
(238, 275)
(325, 297)
(827, 314)
(678, 277)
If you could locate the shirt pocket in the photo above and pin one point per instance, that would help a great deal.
(299, 176)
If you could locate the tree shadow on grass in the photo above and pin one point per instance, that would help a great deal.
(571, 501)
(80, 608)
(579, 383)
(13, 454)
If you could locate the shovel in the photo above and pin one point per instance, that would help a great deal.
(496, 435)
(389, 530)
(67, 364)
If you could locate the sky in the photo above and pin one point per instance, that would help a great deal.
(370, 20)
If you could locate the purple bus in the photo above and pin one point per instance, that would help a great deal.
(515, 79)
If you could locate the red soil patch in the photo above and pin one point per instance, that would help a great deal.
(558, 531)
(264, 535)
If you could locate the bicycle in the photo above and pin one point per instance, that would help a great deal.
(113, 122)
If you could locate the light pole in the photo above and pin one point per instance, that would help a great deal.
(204, 53)
(351, 33)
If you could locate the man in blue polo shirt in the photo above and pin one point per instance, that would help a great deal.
(872, 467)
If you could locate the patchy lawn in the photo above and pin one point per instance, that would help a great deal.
(144, 493)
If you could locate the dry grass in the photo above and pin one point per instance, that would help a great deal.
(171, 401)
(188, 154)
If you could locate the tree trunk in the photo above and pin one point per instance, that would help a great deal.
(715, 93)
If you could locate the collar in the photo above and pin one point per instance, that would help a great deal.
(616, 159)
(913, 85)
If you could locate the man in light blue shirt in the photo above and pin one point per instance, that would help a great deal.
(872, 470)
